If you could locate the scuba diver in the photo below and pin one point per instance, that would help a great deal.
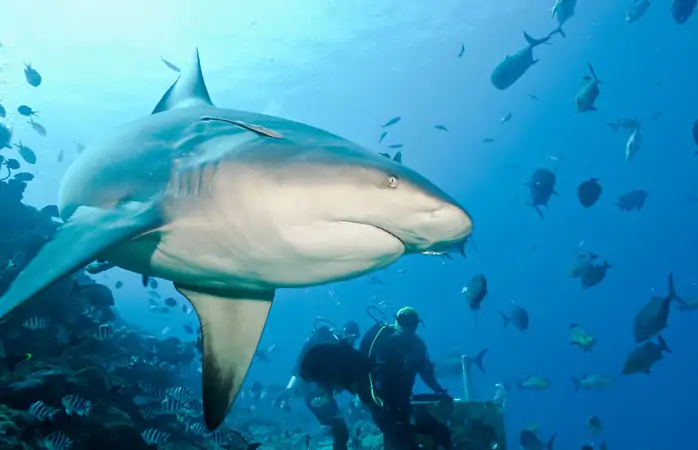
(382, 373)
(320, 400)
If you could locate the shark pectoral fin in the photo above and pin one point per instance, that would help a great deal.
(231, 325)
(87, 234)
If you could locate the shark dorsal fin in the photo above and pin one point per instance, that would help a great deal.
(188, 90)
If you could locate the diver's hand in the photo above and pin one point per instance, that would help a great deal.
(446, 396)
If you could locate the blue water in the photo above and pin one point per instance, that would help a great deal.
(348, 67)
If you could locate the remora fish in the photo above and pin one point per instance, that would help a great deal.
(199, 195)
(514, 66)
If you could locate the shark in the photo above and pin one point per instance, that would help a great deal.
(231, 206)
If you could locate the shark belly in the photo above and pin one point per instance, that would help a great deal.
(227, 242)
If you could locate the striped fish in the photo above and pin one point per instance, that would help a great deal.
(74, 404)
(41, 412)
(193, 405)
(170, 407)
(57, 441)
(199, 428)
(179, 392)
(35, 323)
(160, 395)
(153, 436)
(104, 332)
(147, 412)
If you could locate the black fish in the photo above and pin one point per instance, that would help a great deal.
(681, 10)
(392, 121)
(589, 192)
(32, 76)
(170, 65)
(595, 274)
(632, 200)
(23, 176)
(541, 188)
(462, 50)
(171, 302)
(652, 318)
(518, 317)
(476, 291)
(27, 111)
(529, 441)
(383, 135)
(643, 357)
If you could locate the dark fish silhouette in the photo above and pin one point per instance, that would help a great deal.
(391, 122)
(462, 50)
(3, 113)
(643, 357)
(652, 318)
(26, 153)
(383, 135)
(529, 441)
(589, 192)
(440, 127)
(588, 92)
(27, 111)
(476, 291)
(695, 134)
(632, 200)
(517, 317)
(681, 10)
(595, 274)
(514, 66)
(541, 188)
(170, 65)
(31, 75)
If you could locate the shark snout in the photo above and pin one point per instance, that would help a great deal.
(443, 228)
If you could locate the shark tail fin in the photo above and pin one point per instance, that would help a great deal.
(398, 157)
(231, 325)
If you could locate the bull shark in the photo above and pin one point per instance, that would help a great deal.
(231, 206)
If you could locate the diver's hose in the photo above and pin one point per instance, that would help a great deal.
(322, 320)
(371, 308)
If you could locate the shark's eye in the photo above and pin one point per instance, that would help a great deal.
(392, 181)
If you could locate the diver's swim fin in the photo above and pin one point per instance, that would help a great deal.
(88, 233)
(231, 325)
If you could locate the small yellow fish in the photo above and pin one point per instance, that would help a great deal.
(580, 338)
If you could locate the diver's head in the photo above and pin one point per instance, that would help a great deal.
(350, 332)
(407, 319)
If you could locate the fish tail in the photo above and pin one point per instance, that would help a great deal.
(551, 442)
(593, 74)
(672, 291)
(662, 344)
(478, 359)
(559, 31)
(506, 320)
(533, 42)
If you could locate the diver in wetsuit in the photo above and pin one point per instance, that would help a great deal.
(321, 401)
(397, 356)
